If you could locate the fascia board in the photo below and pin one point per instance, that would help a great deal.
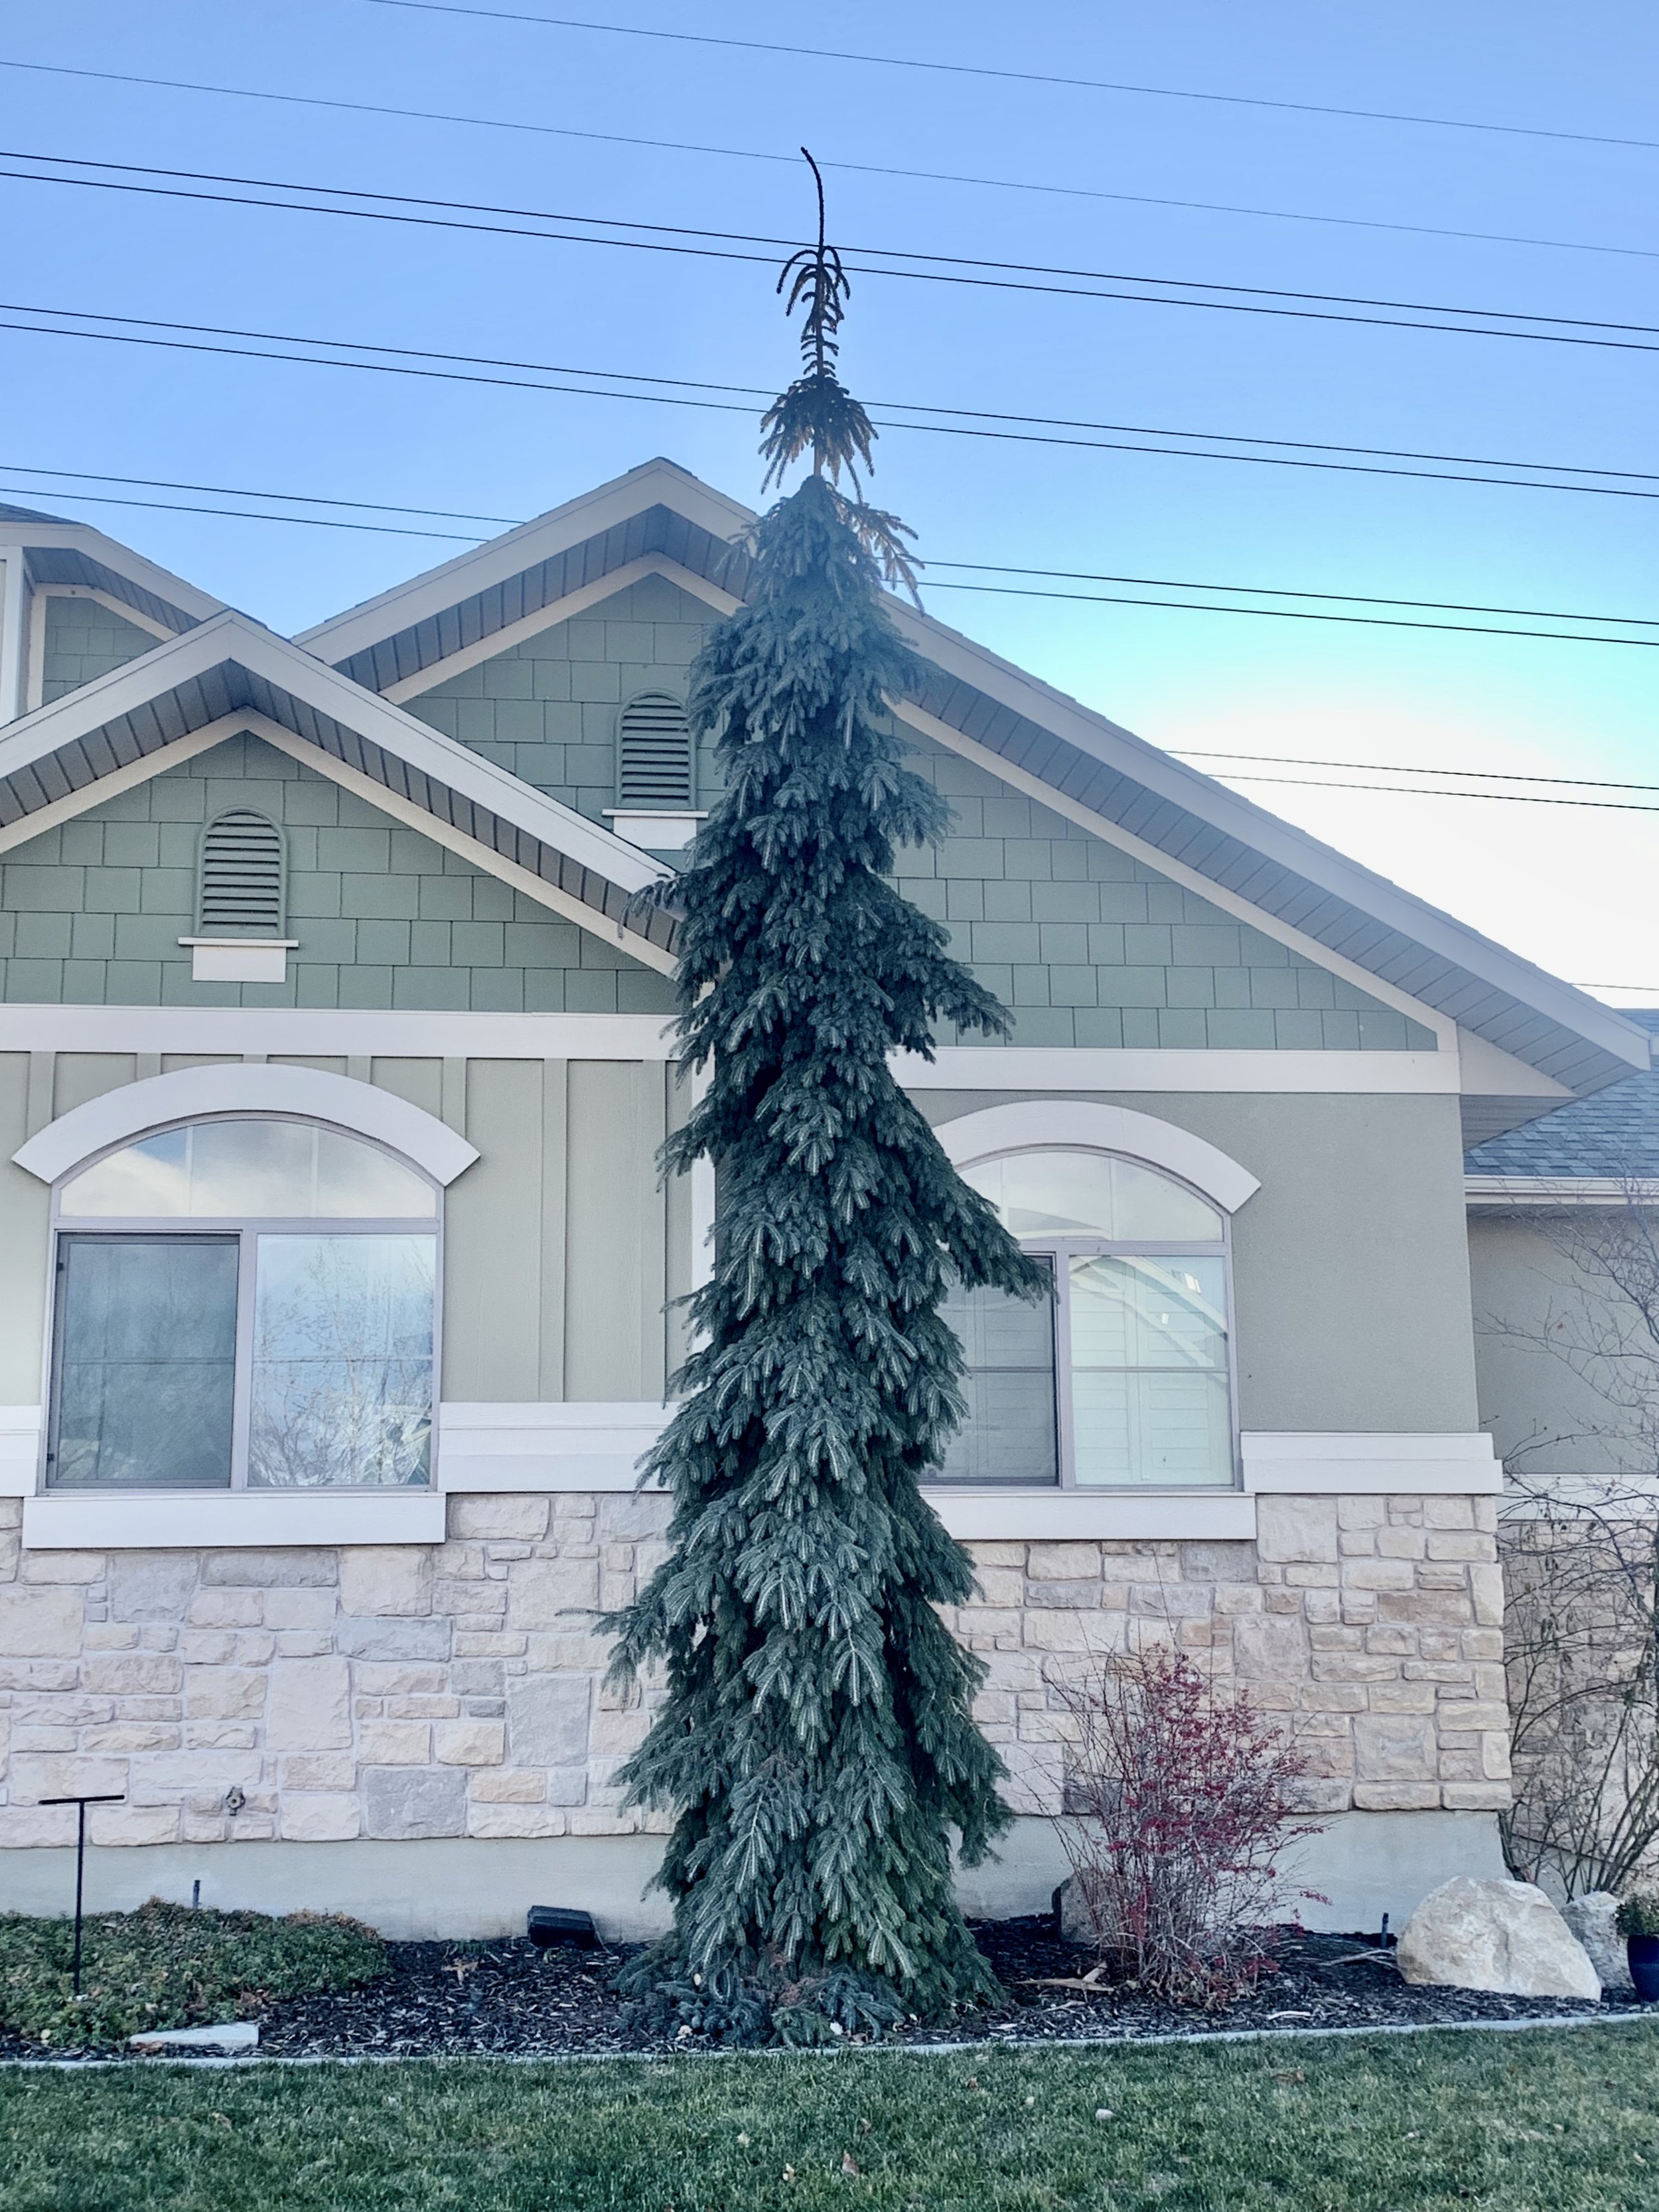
(658, 483)
(81, 538)
(231, 636)
(1276, 840)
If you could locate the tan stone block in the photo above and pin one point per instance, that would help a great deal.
(1322, 1608)
(1424, 1607)
(385, 1678)
(227, 1609)
(1333, 1698)
(1315, 1795)
(1406, 1511)
(1353, 1666)
(1311, 1578)
(1288, 1528)
(378, 1580)
(319, 1817)
(1361, 1513)
(1437, 1645)
(552, 1593)
(207, 1647)
(1495, 1757)
(131, 1735)
(1329, 1637)
(1043, 1631)
(472, 1743)
(1359, 1607)
(63, 1567)
(38, 1735)
(1490, 1681)
(223, 1693)
(1327, 1757)
(302, 1643)
(393, 1743)
(1401, 1698)
(313, 1609)
(616, 1590)
(310, 1707)
(28, 1827)
(1285, 1601)
(1486, 1587)
(996, 1555)
(507, 1514)
(1401, 1642)
(1475, 1796)
(1481, 1644)
(1468, 1713)
(1400, 1544)
(38, 1775)
(1432, 1576)
(1356, 1543)
(1398, 1796)
(1379, 1574)
(1460, 1759)
(132, 1824)
(1486, 1514)
(1001, 1586)
(1460, 1543)
(1063, 1563)
(40, 1623)
(330, 1770)
(422, 1709)
(109, 1635)
(512, 1818)
(1449, 1512)
(1393, 1747)
(508, 1786)
(1269, 1645)
(1234, 1599)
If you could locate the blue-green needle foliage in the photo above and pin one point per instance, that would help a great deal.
(816, 1744)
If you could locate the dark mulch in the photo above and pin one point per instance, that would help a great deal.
(448, 1997)
(459, 1999)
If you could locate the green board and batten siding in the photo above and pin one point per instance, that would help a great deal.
(1086, 944)
(563, 1262)
(91, 913)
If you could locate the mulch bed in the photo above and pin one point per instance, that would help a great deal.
(507, 1998)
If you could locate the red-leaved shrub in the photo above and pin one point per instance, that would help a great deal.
(1179, 1797)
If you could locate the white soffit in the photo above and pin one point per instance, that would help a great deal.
(1081, 1125)
(49, 534)
(132, 1109)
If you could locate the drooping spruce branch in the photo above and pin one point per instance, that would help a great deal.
(815, 1741)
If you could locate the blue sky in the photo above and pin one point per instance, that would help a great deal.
(1571, 890)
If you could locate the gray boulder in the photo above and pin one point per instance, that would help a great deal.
(1590, 1919)
(226, 2039)
(1079, 1922)
(1504, 1936)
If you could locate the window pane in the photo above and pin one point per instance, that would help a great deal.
(342, 1390)
(1061, 1194)
(1149, 1397)
(146, 1361)
(1010, 1432)
(221, 1170)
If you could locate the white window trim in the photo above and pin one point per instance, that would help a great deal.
(188, 1094)
(1034, 1124)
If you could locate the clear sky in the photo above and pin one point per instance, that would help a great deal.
(1572, 890)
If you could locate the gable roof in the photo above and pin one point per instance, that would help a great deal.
(1019, 727)
(1613, 1134)
(228, 672)
(55, 550)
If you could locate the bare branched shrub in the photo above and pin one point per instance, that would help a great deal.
(1180, 1797)
(1581, 1564)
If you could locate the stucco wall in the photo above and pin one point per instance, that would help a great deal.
(456, 1689)
(562, 1254)
(1350, 1269)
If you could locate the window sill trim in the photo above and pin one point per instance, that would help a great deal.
(1028, 1516)
(193, 1521)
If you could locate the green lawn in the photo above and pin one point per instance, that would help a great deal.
(1558, 2122)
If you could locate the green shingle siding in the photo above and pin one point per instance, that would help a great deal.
(91, 913)
(84, 640)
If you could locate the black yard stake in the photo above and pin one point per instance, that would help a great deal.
(81, 1803)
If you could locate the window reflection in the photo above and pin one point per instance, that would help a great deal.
(270, 1170)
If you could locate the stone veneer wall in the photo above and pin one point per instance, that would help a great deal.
(456, 1689)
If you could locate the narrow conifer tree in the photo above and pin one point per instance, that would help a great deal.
(817, 1743)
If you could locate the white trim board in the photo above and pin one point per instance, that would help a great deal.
(1173, 1070)
(197, 1519)
(19, 1449)
(1080, 1124)
(332, 1032)
(131, 1109)
(75, 802)
(580, 1445)
(1368, 1463)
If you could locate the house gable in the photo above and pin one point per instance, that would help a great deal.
(92, 911)
(82, 636)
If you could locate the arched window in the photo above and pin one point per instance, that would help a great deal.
(245, 1301)
(241, 886)
(1124, 1379)
(654, 766)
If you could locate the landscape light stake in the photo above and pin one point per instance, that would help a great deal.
(80, 1804)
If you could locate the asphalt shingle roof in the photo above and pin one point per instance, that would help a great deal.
(1615, 1132)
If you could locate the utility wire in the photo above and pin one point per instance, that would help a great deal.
(991, 567)
(1020, 77)
(1427, 791)
(948, 269)
(853, 168)
(763, 392)
(1384, 768)
(407, 357)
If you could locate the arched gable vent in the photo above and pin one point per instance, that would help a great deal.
(241, 884)
(654, 752)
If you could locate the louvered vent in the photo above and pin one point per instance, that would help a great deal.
(654, 752)
(241, 876)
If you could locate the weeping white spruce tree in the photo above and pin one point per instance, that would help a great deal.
(816, 1744)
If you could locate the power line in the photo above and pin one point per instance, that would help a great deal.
(404, 364)
(1289, 614)
(1384, 768)
(853, 168)
(991, 567)
(949, 269)
(1426, 791)
(1021, 77)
